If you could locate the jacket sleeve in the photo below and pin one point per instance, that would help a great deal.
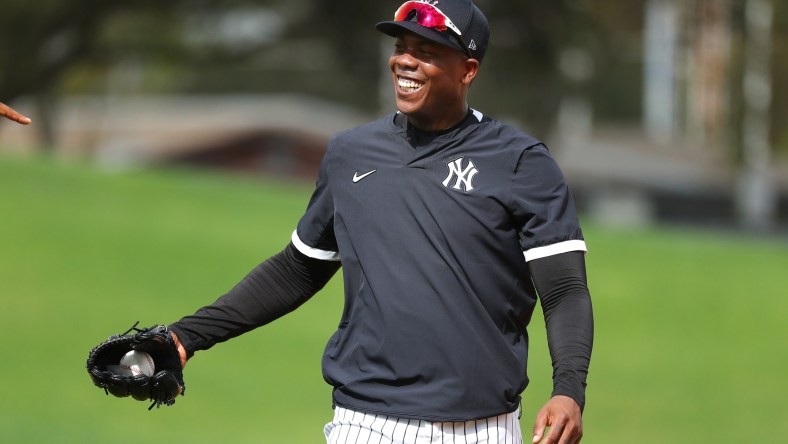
(274, 288)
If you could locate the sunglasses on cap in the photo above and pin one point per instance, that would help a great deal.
(429, 16)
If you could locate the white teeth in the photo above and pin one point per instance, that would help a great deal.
(409, 85)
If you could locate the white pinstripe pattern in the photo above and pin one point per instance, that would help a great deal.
(351, 427)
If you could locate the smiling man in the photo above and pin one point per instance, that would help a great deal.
(449, 227)
(432, 69)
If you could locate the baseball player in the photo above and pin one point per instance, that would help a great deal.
(9, 113)
(447, 225)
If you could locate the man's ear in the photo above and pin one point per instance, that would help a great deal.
(471, 69)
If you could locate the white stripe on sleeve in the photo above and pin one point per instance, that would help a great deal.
(314, 253)
(553, 249)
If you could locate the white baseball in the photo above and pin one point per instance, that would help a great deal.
(136, 363)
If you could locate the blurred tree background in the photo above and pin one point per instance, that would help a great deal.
(553, 66)
(330, 50)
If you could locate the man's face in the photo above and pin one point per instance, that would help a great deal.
(430, 81)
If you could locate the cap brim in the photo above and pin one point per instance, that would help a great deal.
(394, 29)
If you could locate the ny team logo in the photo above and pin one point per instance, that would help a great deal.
(464, 176)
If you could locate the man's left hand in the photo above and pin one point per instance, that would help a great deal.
(563, 416)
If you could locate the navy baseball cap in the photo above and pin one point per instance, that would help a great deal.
(458, 24)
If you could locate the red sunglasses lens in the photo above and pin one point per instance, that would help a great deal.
(425, 15)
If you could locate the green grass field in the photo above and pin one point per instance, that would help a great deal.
(690, 343)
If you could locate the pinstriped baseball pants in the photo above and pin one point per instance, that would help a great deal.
(351, 427)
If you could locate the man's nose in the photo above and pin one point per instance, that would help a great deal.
(406, 60)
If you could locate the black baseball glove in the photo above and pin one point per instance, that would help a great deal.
(161, 388)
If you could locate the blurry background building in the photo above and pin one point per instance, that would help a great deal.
(658, 110)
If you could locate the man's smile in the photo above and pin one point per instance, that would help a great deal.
(409, 85)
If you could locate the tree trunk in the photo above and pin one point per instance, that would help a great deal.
(756, 193)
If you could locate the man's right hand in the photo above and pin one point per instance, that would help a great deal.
(181, 350)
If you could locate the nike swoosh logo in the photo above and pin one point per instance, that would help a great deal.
(357, 177)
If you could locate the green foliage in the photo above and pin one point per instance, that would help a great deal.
(331, 50)
(689, 329)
